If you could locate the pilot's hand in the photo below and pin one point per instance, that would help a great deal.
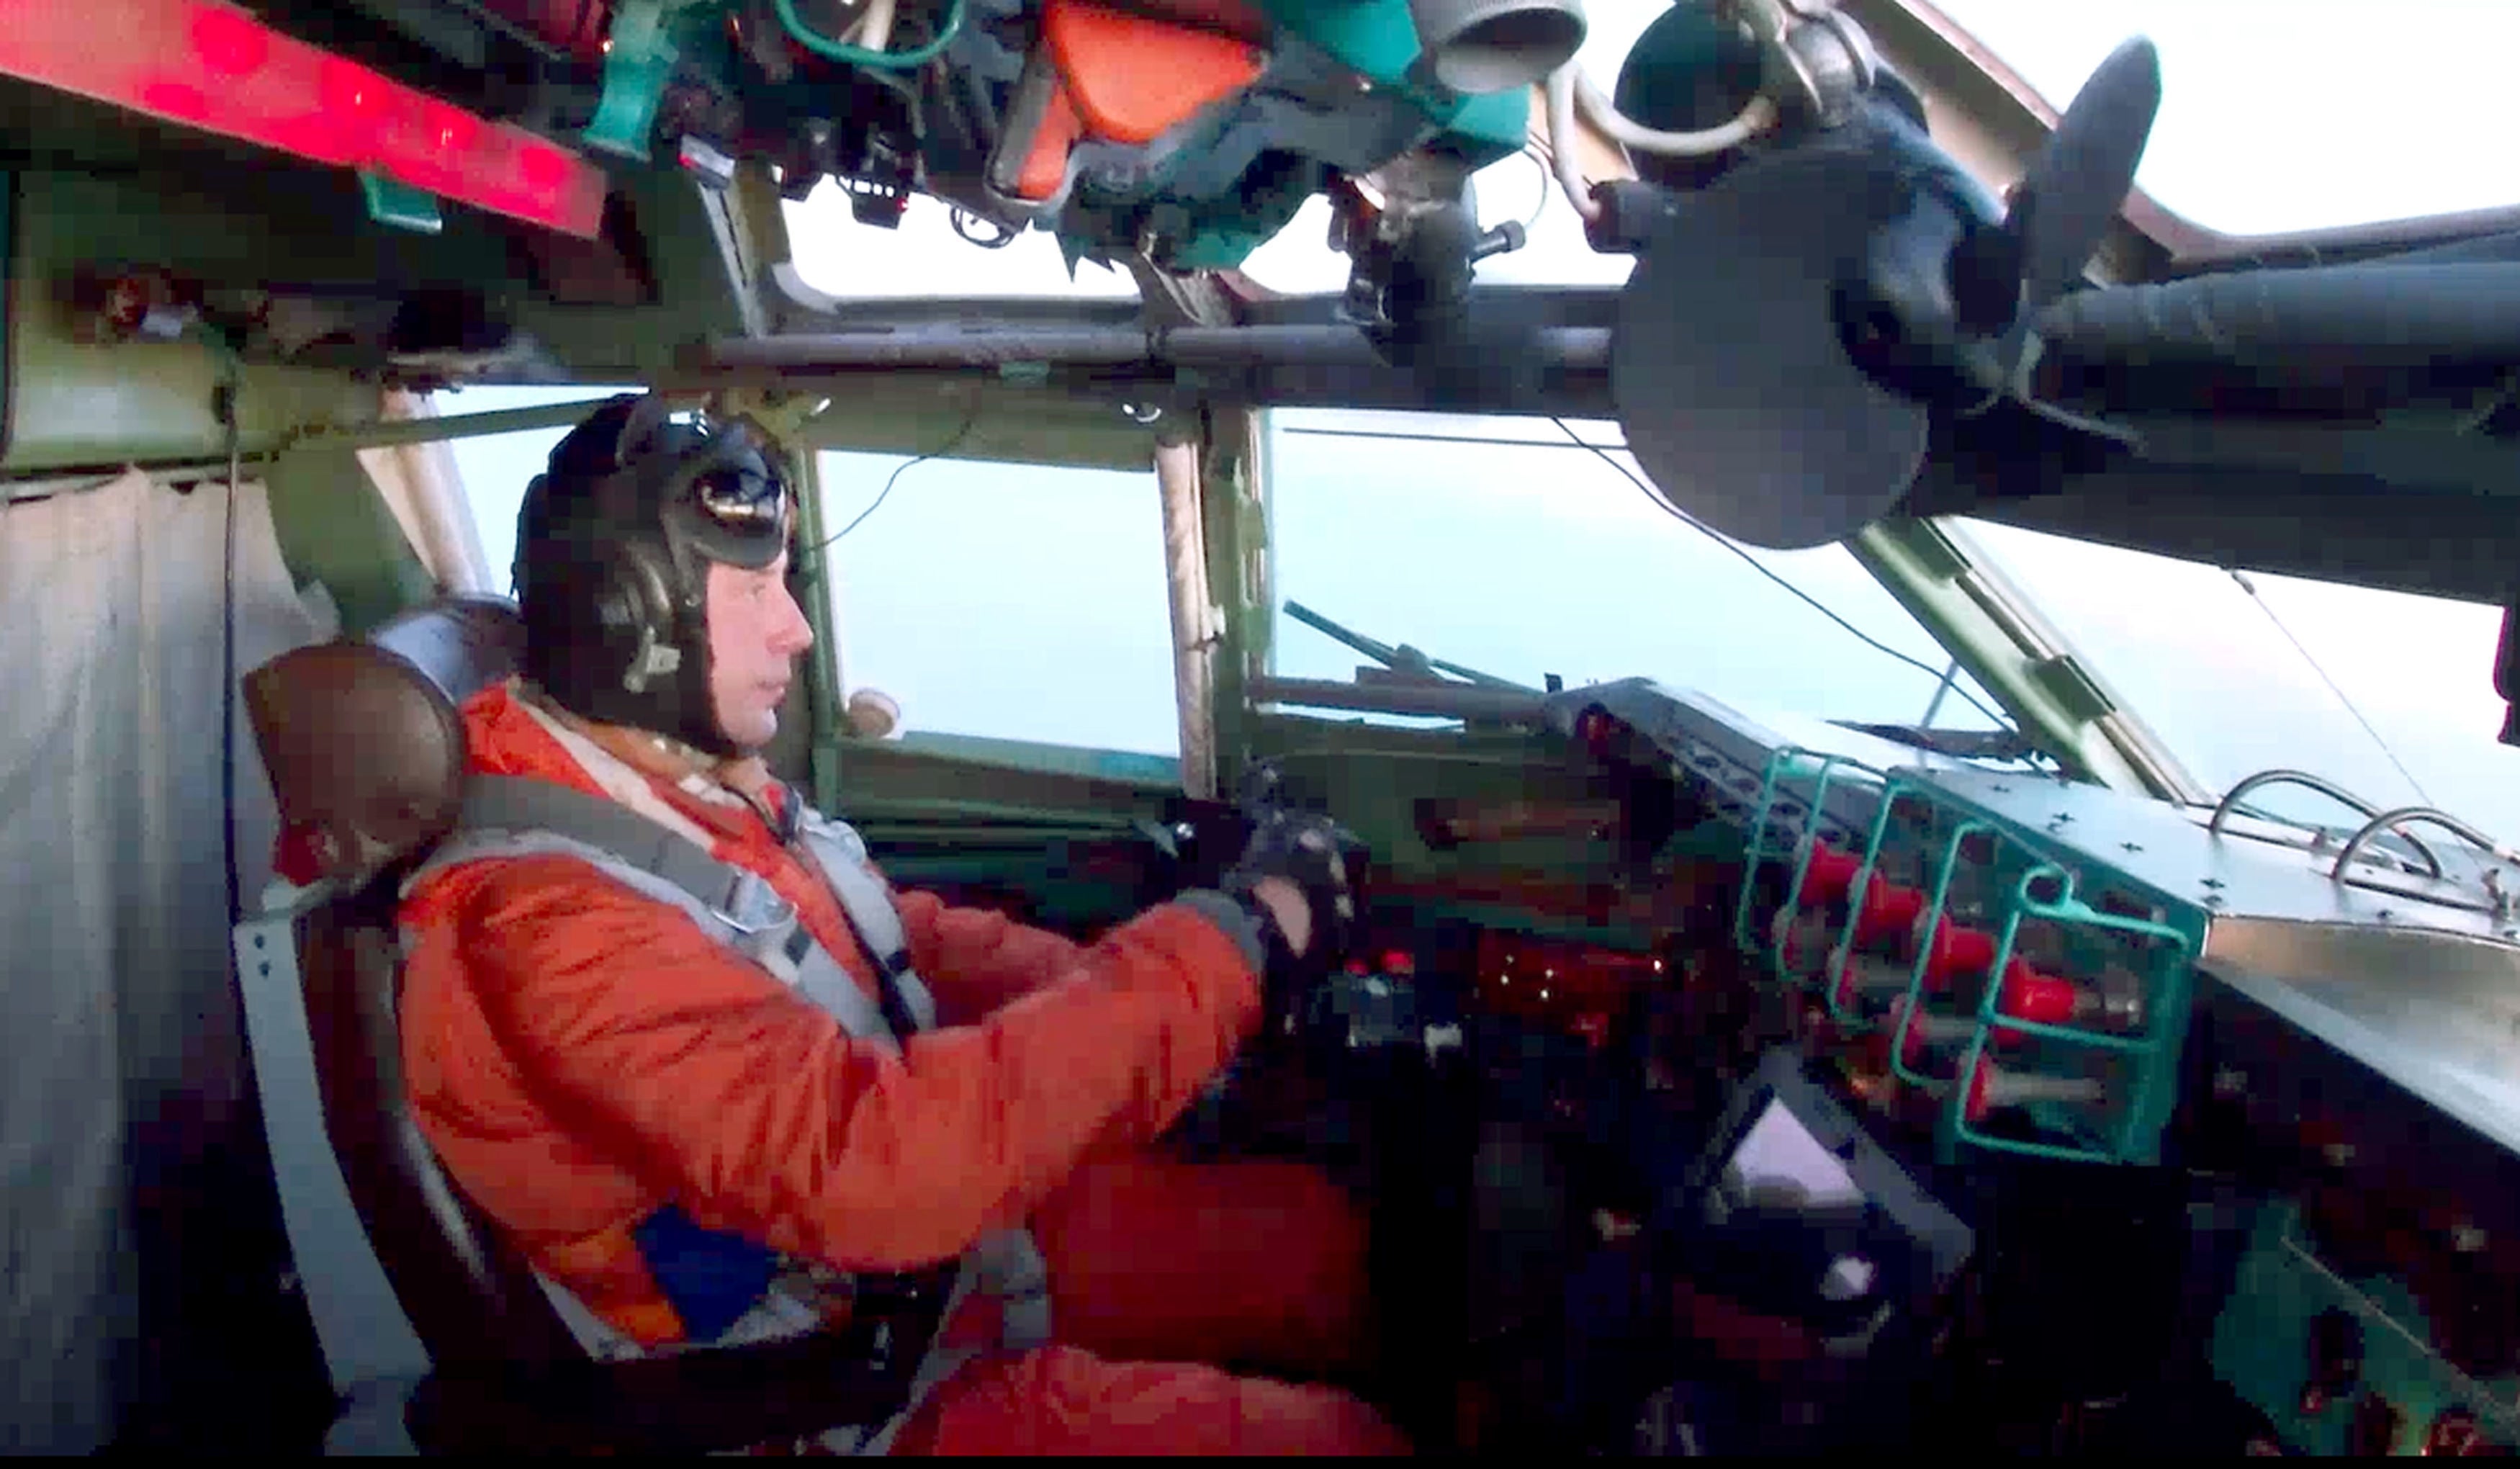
(1297, 877)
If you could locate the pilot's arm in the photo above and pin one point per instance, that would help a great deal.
(975, 961)
(747, 1100)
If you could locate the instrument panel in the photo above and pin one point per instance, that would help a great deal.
(2016, 972)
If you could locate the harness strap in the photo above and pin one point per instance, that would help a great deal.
(740, 898)
(514, 815)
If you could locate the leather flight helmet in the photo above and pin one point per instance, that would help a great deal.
(613, 546)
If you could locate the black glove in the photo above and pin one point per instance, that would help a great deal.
(1322, 860)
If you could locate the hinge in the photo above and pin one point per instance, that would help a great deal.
(2067, 681)
(1935, 554)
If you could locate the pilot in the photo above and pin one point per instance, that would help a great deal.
(722, 1084)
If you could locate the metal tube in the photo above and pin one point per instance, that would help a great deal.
(2365, 313)
(1420, 701)
(2230, 802)
(2443, 819)
(1579, 348)
(1195, 629)
(403, 431)
(928, 347)
(822, 666)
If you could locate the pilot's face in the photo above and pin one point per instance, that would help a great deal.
(756, 632)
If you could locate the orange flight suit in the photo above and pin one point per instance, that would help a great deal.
(581, 1055)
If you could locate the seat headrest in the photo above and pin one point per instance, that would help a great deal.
(361, 737)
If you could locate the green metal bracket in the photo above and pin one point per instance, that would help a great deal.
(8, 317)
(2058, 708)
(1232, 489)
(823, 663)
(1377, 39)
(399, 204)
(635, 72)
(2073, 687)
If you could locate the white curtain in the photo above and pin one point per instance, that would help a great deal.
(425, 492)
(121, 1051)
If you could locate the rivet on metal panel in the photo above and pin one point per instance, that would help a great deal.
(2131, 846)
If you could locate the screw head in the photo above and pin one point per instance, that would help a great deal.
(2131, 846)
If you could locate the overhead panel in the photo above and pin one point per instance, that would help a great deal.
(215, 66)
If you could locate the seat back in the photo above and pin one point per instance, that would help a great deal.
(366, 755)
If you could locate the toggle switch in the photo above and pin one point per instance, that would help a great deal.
(1991, 1089)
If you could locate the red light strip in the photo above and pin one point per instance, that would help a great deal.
(215, 68)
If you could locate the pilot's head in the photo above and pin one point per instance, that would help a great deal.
(651, 560)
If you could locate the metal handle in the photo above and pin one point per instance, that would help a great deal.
(2325, 787)
(2443, 819)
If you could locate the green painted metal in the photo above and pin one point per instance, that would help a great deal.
(639, 62)
(1938, 903)
(8, 284)
(334, 527)
(1985, 874)
(1377, 39)
(1235, 519)
(2280, 1287)
(858, 56)
(2147, 1062)
(1988, 874)
(408, 430)
(1918, 565)
(76, 406)
(697, 299)
(823, 663)
(1154, 771)
(400, 206)
(1782, 780)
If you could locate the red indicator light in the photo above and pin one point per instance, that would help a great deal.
(212, 65)
(351, 90)
(228, 44)
(175, 98)
(544, 167)
(453, 130)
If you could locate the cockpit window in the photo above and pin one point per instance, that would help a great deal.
(1499, 544)
(2387, 694)
(2290, 115)
(932, 254)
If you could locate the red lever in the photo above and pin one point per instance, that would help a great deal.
(1889, 913)
(1831, 873)
(1957, 950)
(2044, 998)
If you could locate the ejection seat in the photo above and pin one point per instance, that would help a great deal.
(366, 757)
